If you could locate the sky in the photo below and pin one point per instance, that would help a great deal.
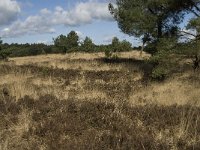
(39, 21)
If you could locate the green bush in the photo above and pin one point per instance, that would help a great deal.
(125, 46)
(87, 45)
(120, 46)
(164, 65)
(151, 48)
(4, 54)
(159, 73)
(114, 56)
(108, 53)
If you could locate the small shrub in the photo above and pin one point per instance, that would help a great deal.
(108, 53)
(4, 55)
(115, 56)
(159, 73)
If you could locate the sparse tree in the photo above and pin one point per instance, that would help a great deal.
(72, 40)
(61, 42)
(88, 45)
(194, 44)
(125, 46)
(1, 44)
(149, 20)
(3, 54)
(156, 23)
(115, 44)
(120, 46)
(67, 42)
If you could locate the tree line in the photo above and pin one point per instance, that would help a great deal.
(62, 44)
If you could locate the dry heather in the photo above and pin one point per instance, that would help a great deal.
(82, 101)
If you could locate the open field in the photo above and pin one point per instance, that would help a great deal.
(83, 101)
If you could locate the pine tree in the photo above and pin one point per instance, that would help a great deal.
(150, 20)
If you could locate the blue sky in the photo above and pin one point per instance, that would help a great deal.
(36, 21)
(39, 21)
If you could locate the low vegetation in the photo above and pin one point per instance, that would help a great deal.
(83, 101)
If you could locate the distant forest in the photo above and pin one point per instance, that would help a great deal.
(62, 44)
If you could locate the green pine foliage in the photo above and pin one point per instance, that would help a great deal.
(157, 25)
(87, 45)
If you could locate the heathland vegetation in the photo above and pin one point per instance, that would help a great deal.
(78, 95)
(84, 101)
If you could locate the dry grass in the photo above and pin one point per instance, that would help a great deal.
(78, 101)
(74, 56)
(171, 92)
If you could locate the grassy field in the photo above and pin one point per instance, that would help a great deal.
(83, 101)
